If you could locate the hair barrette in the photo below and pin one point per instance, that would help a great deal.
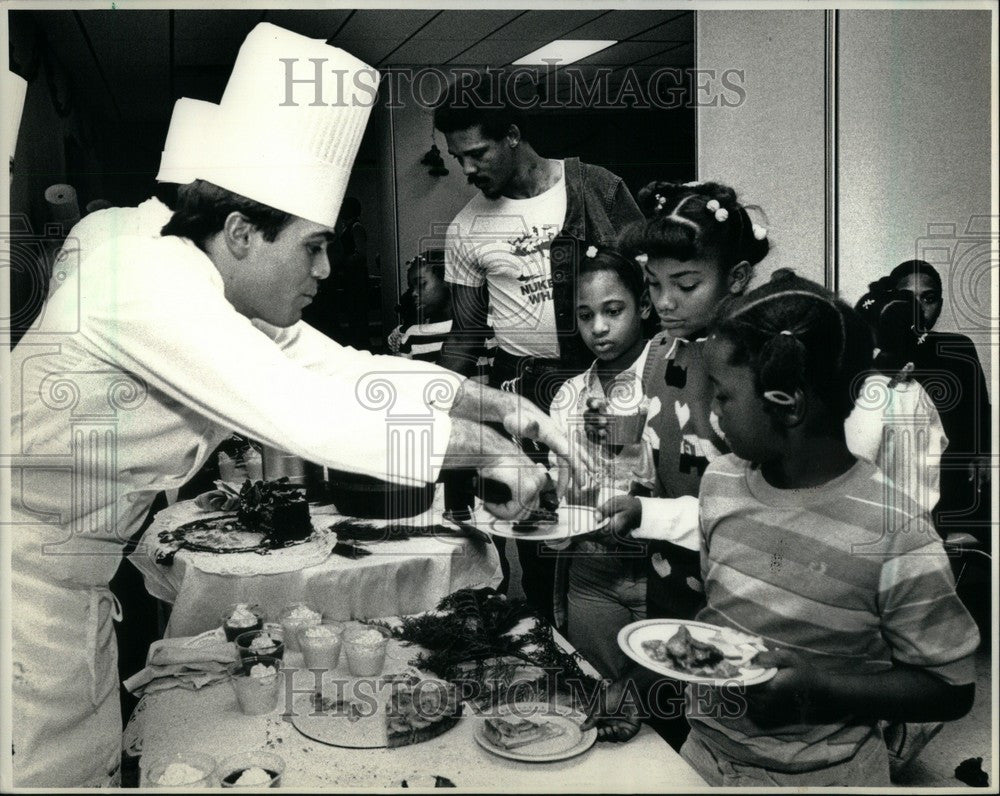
(759, 232)
(867, 303)
(713, 206)
(642, 259)
(787, 333)
(661, 200)
(779, 397)
(591, 252)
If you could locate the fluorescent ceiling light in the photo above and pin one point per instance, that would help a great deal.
(564, 51)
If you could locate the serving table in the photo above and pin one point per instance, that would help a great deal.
(209, 721)
(397, 578)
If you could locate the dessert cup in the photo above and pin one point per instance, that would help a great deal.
(365, 653)
(257, 684)
(185, 771)
(235, 621)
(246, 646)
(252, 766)
(295, 617)
(320, 645)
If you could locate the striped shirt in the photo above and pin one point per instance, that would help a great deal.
(852, 581)
(423, 341)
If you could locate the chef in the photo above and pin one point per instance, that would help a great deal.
(156, 348)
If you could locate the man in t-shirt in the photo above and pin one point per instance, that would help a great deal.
(512, 252)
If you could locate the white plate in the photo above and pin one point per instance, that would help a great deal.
(571, 743)
(573, 521)
(738, 647)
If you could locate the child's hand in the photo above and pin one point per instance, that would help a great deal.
(595, 419)
(615, 718)
(785, 698)
(395, 339)
(624, 513)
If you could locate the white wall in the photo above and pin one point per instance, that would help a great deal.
(915, 155)
(770, 148)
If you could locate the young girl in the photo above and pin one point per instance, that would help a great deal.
(699, 247)
(809, 548)
(605, 589)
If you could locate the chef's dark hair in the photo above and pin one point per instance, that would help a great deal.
(202, 208)
(483, 101)
(683, 223)
(795, 334)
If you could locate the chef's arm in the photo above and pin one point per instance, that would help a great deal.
(469, 328)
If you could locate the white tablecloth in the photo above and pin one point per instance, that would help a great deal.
(398, 578)
(210, 722)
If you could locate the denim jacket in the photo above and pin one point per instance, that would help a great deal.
(598, 207)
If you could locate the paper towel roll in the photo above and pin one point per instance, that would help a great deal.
(63, 206)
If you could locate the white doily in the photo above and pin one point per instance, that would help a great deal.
(307, 553)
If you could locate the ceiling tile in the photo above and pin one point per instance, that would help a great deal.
(681, 28)
(371, 34)
(315, 24)
(448, 34)
(620, 25)
(625, 53)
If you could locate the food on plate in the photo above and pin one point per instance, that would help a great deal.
(410, 709)
(419, 709)
(241, 618)
(514, 732)
(275, 508)
(687, 654)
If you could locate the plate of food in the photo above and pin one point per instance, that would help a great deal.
(696, 652)
(534, 732)
(377, 713)
(544, 526)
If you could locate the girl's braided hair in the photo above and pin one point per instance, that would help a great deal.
(687, 221)
(795, 334)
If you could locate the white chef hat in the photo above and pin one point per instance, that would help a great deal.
(186, 146)
(290, 123)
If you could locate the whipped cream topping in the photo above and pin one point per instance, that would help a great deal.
(180, 774)
(303, 613)
(263, 641)
(253, 776)
(262, 670)
(242, 616)
(321, 631)
(368, 637)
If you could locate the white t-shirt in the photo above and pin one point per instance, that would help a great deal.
(505, 243)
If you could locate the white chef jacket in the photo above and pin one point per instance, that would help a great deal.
(138, 369)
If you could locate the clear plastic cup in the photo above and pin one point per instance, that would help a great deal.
(238, 612)
(365, 653)
(246, 647)
(295, 617)
(257, 690)
(184, 771)
(320, 645)
(252, 766)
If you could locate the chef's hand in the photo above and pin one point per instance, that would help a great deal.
(526, 481)
(624, 513)
(785, 698)
(527, 421)
(615, 718)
